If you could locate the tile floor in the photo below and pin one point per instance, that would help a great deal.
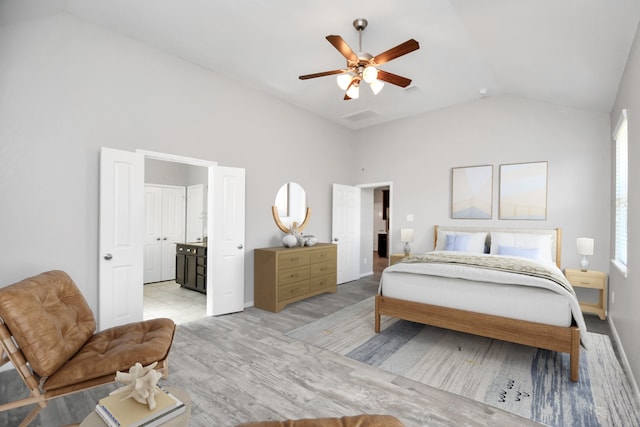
(168, 299)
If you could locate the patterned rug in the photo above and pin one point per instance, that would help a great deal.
(530, 382)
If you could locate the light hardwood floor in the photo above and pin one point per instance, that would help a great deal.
(241, 367)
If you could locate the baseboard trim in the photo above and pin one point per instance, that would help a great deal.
(369, 273)
(623, 357)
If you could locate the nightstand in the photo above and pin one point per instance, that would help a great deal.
(395, 258)
(590, 279)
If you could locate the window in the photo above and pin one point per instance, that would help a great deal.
(622, 177)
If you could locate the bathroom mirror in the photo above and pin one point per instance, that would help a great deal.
(291, 207)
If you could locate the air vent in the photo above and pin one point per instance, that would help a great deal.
(411, 89)
(362, 115)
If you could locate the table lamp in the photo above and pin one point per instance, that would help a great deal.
(585, 247)
(406, 236)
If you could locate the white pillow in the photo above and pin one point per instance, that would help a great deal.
(542, 242)
(474, 245)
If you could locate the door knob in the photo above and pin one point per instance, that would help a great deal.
(164, 238)
(240, 246)
(158, 238)
(108, 257)
(335, 239)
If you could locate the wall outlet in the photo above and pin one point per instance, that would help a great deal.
(613, 297)
(364, 260)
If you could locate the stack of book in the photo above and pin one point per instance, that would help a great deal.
(116, 411)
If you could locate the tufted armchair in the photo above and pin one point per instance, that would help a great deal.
(47, 330)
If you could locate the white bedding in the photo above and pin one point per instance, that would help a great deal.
(482, 290)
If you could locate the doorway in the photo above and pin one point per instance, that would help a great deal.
(376, 227)
(120, 289)
(164, 296)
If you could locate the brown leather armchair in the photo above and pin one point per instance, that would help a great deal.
(47, 330)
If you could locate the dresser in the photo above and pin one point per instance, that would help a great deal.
(191, 266)
(285, 275)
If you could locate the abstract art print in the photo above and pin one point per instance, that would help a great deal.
(523, 191)
(471, 192)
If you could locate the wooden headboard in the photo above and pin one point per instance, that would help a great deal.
(555, 233)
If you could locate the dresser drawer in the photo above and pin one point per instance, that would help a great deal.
(293, 290)
(322, 255)
(294, 259)
(292, 275)
(323, 268)
(322, 282)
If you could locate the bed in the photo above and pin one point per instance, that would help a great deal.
(494, 282)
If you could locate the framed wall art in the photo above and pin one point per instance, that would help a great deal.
(471, 192)
(523, 191)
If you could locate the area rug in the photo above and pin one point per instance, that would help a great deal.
(529, 382)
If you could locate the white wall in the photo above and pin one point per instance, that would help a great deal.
(623, 309)
(417, 154)
(68, 87)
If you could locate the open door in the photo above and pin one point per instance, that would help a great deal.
(227, 242)
(346, 231)
(120, 293)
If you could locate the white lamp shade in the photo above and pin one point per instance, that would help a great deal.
(353, 92)
(344, 80)
(376, 86)
(406, 235)
(370, 74)
(585, 246)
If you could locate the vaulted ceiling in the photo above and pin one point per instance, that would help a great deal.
(569, 52)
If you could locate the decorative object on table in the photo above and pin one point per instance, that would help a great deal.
(523, 191)
(289, 241)
(585, 247)
(118, 410)
(472, 192)
(140, 383)
(406, 236)
(310, 240)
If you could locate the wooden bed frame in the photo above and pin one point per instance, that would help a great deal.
(549, 337)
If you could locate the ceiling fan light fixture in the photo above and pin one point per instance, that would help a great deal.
(354, 91)
(370, 74)
(344, 80)
(376, 86)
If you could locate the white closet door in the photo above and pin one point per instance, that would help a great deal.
(346, 231)
(152, 234)
(173, 213)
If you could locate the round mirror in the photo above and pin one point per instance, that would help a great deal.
(291, 207)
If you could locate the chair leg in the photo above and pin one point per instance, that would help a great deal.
(33, 414)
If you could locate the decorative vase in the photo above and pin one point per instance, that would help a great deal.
(310, 240)
(289, 241)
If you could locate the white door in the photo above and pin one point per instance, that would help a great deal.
(173, 207)
(120, 296)
(152, 234)
(226, 244)
(346, 231)
(195, 213)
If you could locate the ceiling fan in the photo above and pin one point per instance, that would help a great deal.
(362, 66)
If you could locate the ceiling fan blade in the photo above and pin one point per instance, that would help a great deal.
(343, 48)
(346, 97)
(395, 52)
(324, 73)
(394, 79)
